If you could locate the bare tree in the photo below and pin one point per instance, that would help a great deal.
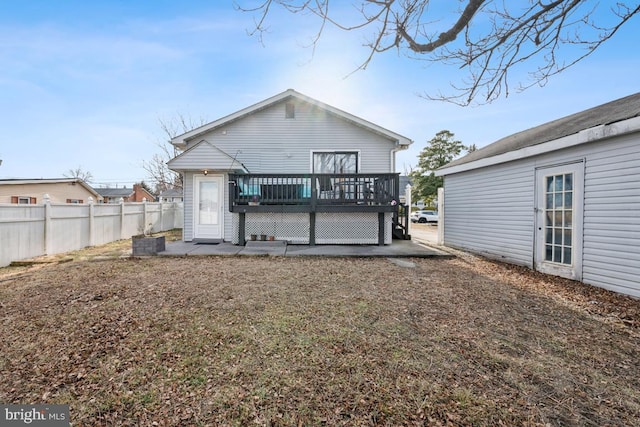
(487, 38)
(162, 177)
(79, 173)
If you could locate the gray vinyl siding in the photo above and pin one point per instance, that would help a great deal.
(187, 228)
(490, 210)
(611, 249)
(267, 142)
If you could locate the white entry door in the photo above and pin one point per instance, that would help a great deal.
(208, 207)
(559, 194)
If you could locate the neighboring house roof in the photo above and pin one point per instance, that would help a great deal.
(115, 192)
(51, 181)
(171, 193)
(182, 140)
(603, 115)
(404, 180)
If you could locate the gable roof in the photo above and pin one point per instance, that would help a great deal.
(208, 157)
(603, 115)
(182, 140)
(19, 181)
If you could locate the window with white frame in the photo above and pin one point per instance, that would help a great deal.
(335, 162)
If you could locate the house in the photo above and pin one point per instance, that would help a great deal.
(135, 194)
(293, 168)
(562, 198)
(171, 195)
(59, 190)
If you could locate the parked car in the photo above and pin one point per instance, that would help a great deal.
(424, 216)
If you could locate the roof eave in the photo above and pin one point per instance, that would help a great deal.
(597, 133)
(181, 141)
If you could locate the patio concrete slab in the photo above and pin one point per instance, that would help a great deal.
(190, 248)
(398, 249)
(274, 248)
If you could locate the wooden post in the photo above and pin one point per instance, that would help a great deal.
(312, 228)
(380, 228)
(241, 229)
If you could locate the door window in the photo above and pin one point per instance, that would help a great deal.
(558, 218)
(208, 202)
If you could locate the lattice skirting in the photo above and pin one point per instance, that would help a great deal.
(331, 228)
(292, 227)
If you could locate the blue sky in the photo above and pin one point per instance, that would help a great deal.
(85, 83)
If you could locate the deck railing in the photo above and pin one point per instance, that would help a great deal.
(311, 192)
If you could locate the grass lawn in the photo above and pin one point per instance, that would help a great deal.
(316, 341)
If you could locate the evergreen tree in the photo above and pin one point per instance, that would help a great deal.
(440, 150)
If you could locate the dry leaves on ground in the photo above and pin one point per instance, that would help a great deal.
(317, 341)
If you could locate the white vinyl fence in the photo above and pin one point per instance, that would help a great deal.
(27, 231)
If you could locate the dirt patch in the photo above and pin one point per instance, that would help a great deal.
(313, 341)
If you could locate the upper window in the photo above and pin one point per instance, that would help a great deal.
(335, 162)
(289, 110)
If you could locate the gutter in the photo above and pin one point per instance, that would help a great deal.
(596, 133)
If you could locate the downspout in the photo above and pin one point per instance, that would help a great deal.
(392, 156)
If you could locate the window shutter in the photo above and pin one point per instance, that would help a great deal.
(32, 200)
(68, 200)
(14, 199)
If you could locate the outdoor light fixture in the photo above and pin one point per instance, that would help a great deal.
(205, 172)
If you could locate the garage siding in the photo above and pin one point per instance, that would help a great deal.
(490, 211)
(611, 251)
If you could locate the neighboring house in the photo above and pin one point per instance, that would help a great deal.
(293, 168)
(135, 194)
(171, 195)
(32, 191)
(114, 195)
(562, 198)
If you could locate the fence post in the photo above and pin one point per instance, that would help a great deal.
(441, 208)
(408, 202)
(92, 233)
(144, 217)
(161, 216)
(47, 224)
(122, 236)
